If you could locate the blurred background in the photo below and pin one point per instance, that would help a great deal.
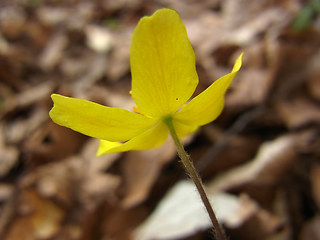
(260, 160)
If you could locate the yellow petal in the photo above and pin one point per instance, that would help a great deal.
(149, 139)
(95, 120)
(183, 129)
(208, 105)
(162, 64)
(105, 146)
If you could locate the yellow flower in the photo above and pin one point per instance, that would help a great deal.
(164, 77)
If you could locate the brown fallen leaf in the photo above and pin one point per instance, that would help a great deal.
(28, 97)
(315, 183)
(119, 223)
(6, 191)
(250, 88)
(298, 112)
(311, 230)
(96, 187)
(72, 180)
(74, 68)
(7, 208)
(181, 213)
(271, 161)
(112, 97)
(234, 18)
(51, 142)
(141, 169)
(228, 148)
(210, 31)
(8, 160)
(19, 129)
(8, 154)
(38, 218)
(314, 78)
(53, 52)
(114, 6)
(119, 63)
(96, 164)
(50, 16)
(13, 22)
(94, 72)
(55, 180)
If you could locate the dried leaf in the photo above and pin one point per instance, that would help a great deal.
(96, 164)
(53, 52)
(28, 97)
(311, 230)
(52, 142)
(251, 88)
(8, 159)
(315, 183)
(181, 213)
(271, 161)
(8, 155)
(19, 129)
(314, 79)
(141, 169)
(119, 63)
(38, 218)
(299, 112)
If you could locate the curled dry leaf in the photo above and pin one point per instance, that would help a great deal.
(96, 164)
(50, 143)
(119, 63)
(141, 169)
(28, 97)
(271, 161)
(181, 213)
(55, 180)
(19, 129)
(299, 112)
(209, 32)
(48, 15)
(233, 18)
(37, 218)
(70, 180)
(229, 148)
(94, 72)
(74, 186)
(251, 88)
(96, 188)
(53, 52)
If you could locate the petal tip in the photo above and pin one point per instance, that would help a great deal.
(54, 96)
(238, 63)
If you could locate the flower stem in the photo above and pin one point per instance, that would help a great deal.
(188, 164)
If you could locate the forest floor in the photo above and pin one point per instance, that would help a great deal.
(259, 160)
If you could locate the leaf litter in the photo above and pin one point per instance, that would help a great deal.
(259, 160)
